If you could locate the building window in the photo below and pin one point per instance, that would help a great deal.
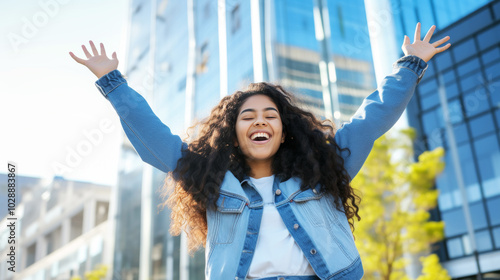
(54, 240)
(76, 226)
(483, 240)
(496, 236)
(494, 207)
(201, 67)
(235, 19)
(101, 212)
(52, 196)
(341, 21)
(207, 10)
(181, 85)
(137, 9)
(482, 125)
(454, 248)
(204, 49)
(30, 255)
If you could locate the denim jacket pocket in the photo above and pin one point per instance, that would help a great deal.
(309, 194)
(226, 218)
(308, 202)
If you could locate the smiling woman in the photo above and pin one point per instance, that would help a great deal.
(265, 186)
(276, 152)
(259, 134)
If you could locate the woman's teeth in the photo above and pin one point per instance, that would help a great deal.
(261, 135)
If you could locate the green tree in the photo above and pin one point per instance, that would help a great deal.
(397, 193)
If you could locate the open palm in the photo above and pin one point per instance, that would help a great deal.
(423, 48)
(99, 64)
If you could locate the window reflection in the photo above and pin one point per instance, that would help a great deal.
(454, 222)
(493, 205)
(454, 247)
(476, 101)
(488, 160)
(235, 19)
(496, 236)
(483, 241)
(481, 125)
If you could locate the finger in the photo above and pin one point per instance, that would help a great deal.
(406, 41)
(87, 54)
(103, 51)
(114, 55)
(417, 33)
(76, 58)
(441, 41)
(94, 49)
(442, 49)
(428, 36)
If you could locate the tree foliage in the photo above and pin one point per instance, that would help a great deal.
(397, 193)
(97, 274)
(432, 269)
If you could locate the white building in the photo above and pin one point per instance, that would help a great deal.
(62, 230)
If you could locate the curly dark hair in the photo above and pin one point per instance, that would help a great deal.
(309, 152)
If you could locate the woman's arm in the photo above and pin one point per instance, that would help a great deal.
(378, 112)
(381, 109)
(151, 138)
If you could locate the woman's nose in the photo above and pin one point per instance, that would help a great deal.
(260, 121)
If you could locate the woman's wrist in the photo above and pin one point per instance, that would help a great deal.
(414, 63)
(101, 74)
(109, 82)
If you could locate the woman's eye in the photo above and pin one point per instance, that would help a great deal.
(271, 117)
(246, 119)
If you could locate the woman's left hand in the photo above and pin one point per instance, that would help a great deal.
(422, 48)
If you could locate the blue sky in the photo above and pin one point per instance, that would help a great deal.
(54, 120)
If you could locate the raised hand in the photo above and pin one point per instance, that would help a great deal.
(99, 64)
(422, 48)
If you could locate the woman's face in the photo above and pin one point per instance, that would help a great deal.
(259, 129)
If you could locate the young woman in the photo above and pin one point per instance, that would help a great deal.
(265, 186)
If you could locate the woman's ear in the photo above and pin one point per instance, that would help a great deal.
(283, 138)
(236, 142)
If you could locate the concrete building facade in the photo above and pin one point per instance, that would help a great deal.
(63, 231)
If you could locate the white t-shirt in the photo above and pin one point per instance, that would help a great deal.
(276, 252)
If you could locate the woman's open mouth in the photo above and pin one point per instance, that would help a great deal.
(260, 137)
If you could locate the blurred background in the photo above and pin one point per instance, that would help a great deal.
(84, 197)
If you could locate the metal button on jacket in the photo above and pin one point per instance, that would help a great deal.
(315, 191)
(313, 251)
(296, 226)
(278, 192)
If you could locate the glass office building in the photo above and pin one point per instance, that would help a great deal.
(469, 76)
(441, 13)
(183, 56)
(322, 53)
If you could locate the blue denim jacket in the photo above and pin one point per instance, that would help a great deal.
(320, 230)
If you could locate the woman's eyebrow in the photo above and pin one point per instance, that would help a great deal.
(253, 110)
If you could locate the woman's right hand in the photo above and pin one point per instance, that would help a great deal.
(99, 64)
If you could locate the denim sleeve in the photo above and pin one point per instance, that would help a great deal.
(379, 112)
(153, 140)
